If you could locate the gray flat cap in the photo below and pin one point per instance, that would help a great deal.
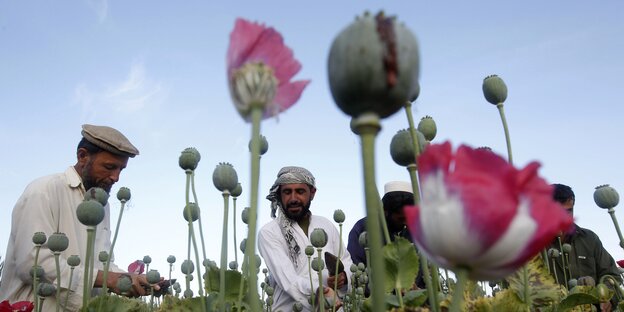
(109, 139)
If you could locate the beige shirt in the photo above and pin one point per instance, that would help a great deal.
(47, 203)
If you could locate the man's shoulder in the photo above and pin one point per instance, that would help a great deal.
(269, 226)
(48, 181)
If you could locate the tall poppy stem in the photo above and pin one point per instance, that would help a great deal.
(250, 252)
(86, 290)
(224, 251)
(234, 228)
(199, 220)
(457, 303)
(501, 110)
(112, 247)
(367, 126)
(192, 239)
(617, 226)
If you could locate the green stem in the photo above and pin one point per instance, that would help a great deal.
(86, 290)
(151, 305)
(194, 241)
(36, 278)
(234, 228)
(556, 277)
(368, 126)
(320, 294)
(201, 230)
(311, 284)
(424, 263)
(256, 117)
(71, 275)
(112, 247)
(240, 288)
(224, 251)
(507, 138)
(337, 267)
(545, 259)
(457, 303)
(565, 264)
(58, 280)
(617, 226)
(525, 281)
(435, 281)
(384, 225)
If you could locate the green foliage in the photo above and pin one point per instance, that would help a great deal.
(412, 299)
(175, 304)
(541, 289)
(114, 303)
(508, 300)
(232, 283)
(401, 264)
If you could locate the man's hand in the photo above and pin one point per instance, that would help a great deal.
(342, 280)
(606, 306)
(140, 286)
(329, 295)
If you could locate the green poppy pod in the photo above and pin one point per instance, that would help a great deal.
(572, 283)
(171, 259)
(73, 260)
(39, 238)
(153, 276)
(270, 291)
(298, 306)
(318, 238)
(245, 215)
(243, 245)
(189, 158)
(264, 145)
(339, 216)
(97, 193)
(224, 177)
(187, 267)
(90, 212)
(123, 194)
(258, 261)
(428, 128)
(269, 301)
(494, 89)
(124, 283)
(606, 197)
(147, 259)
(233, 265)
(46, 289)
(373, 66)
(58, 242)
(567, 248)
(553, 253)
(188, 293)
(237, 191)
(402, 147)
(309, 250)
(192, 210)
(103, 256)
(36, 271)
(363, 239)
(317, 264)
(353, 268)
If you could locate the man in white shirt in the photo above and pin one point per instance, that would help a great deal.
(282, 242)
(48, 205)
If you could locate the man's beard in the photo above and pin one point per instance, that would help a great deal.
(298, 216)
(89, 181)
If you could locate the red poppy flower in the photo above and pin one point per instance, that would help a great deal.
(480, 213)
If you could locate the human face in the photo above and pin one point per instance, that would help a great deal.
(396, 221)
(101, 169)
(296, 199)
(569, 206)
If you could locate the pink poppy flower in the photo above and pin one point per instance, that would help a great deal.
(259, 69)
(136, 267)
(620, 263)
(479, 213)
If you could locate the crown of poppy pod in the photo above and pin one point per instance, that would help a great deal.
(494, 89)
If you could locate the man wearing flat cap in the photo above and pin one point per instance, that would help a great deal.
(282, 242)
(397, 194)
(48, 205)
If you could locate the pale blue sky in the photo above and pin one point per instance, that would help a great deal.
(156, 71)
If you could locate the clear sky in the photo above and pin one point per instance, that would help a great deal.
(156, 71)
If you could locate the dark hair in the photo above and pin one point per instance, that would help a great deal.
(90, 147)
(395, 201)
(562, 193)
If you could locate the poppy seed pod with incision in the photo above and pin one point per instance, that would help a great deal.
(373, 66)
(494, 89)
(97, 193)
(224, 177)
(606, 197)
(90, 212)
(189, 158)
